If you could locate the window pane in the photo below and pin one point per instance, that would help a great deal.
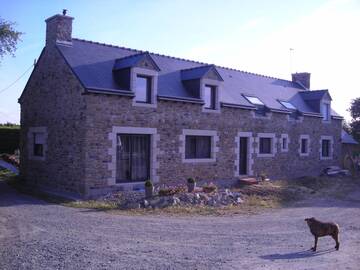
(142, 89)
(288, 105)
(38, 143)
(284, 143)
(197, 147)
(203, 147)
(265, 146)
(304, 146)
(325, 149)
(326, 112)
(254, 100)
(190, 147)
(209, 97)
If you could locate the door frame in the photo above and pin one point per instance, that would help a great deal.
(250, 151)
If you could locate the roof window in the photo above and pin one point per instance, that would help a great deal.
(254, 100)
(287, 105)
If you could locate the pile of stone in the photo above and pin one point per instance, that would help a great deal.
(336, 171)
(135, 199)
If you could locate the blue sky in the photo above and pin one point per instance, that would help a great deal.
(253, 36)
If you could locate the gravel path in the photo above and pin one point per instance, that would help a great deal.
(37, 235)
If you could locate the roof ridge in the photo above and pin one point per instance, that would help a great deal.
(132, 55)
(188, 69)
(181, 59)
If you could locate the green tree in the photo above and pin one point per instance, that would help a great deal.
(355, 122)
(9, 37)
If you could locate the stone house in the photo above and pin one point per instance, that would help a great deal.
(96, 117)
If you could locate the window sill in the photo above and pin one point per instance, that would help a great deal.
(198, 160)
(326, 158)
(304, 154)
(144, 104)
(265, 155)
(208, 110)
(37, 158)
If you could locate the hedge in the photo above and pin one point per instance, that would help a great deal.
(9, 139)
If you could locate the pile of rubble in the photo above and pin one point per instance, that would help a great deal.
(132, 200)
(336, 171)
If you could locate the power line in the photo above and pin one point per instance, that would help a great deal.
(22, 75)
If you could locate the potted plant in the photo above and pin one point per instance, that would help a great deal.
(149, 189)
(191, 184)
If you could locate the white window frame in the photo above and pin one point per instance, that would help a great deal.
(305, 136)
(331, 147)
(326, 102)
(199, 132)
(251, 150)
(134, 73)
(272, 136)
(154, 151)
(218, 86)
(31, 132)
(286, 149)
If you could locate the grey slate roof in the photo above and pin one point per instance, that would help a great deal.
(347, 138)
(198, 72)
(314, 94)
(132, 60)
(93, 63)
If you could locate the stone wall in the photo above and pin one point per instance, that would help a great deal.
(53, 99)
(170, 118)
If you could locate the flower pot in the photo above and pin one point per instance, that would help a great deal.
(149, 191)
(191, 187)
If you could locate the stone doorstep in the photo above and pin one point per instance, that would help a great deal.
(248, 181)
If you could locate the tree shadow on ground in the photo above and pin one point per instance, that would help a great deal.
(296, 255)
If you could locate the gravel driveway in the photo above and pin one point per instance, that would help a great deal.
(37, 235)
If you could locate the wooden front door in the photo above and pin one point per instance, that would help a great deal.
(243, 156)
(133, 158)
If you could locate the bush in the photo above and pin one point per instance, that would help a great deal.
(191, 180)
(169, 191)
(148, 183)
(9, 139)
(209, 188)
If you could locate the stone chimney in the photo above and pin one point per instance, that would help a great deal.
(303, 78)
(58, 29)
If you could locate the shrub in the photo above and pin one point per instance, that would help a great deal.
(208, 188)
(148, 183)
(191, 180)
(263, 176)
(9, 139)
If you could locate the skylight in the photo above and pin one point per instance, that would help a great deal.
(254, 100)
(287, 105)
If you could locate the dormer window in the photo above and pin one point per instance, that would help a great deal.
(210, 97)
(326, 111)
(138, 74)
(143, 89)
(204, 83)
